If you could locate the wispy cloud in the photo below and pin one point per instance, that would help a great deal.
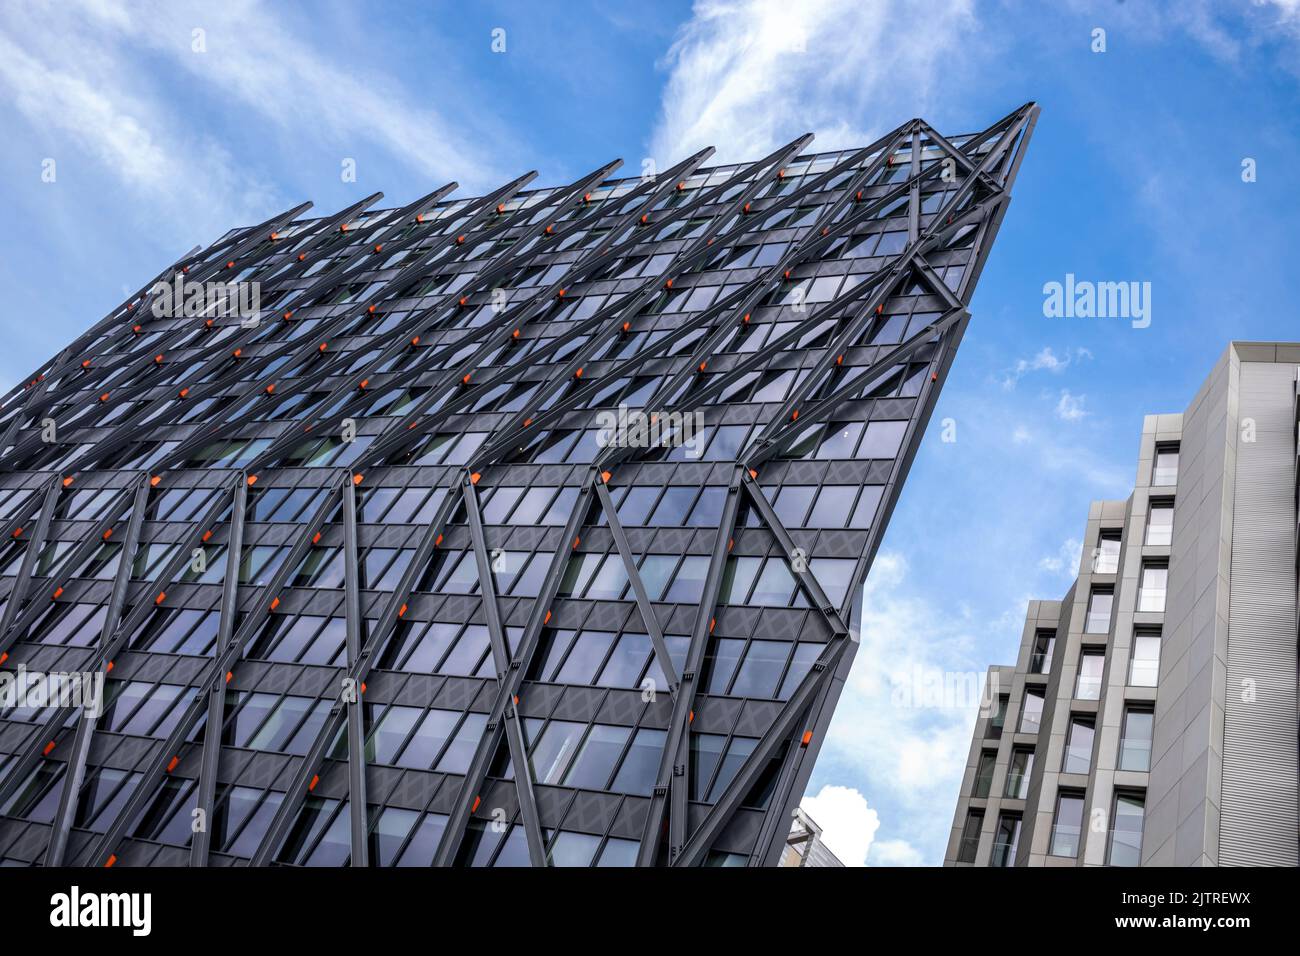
(139, 89)
(748, 75)
(1066, 560)
(1045, 360)
(1069, 407)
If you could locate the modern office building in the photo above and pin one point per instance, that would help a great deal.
(1150, 718)
(522, 529)
(804, 845)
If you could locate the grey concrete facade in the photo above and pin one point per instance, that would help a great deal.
(1188, 758)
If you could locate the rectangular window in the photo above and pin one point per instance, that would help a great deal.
(970, 836)
(1144, 666)
(1135, 742)
(1031, 713)
(1005, 840)
(1155, 581)
(984, 773)
(1087, 685)
(999, 717)
(1099, 604)
(1105, 559)
(1078, 745)
(1126, 834)
(1160, 523)
(1068, 825)
(1022, 764)
(1165, 469)
(1040, 662)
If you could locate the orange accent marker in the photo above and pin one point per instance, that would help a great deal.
(153, 482)
(288, 314)
(315, 539)
(104, 397)
(322, 347)
(108, 668)
(207, 534)
(183, 392)
(4, 657)
(415, 341)
(474, 477)
(236, 353)
(252, 480)
(108, 534)
(794, 415)
(48, 748)
(230, 675)
(379, 247)
(401, 611)
(158, 358)
(171, 765)
(67, 481)
(314, 780)
(112, 858)
(275, 602)
(55, 595)
(437, 541)
(605, 476)
(162, 596)
(703, 366)
(270, 389)
(477, 801)
(356, 479)
(302, 256)
(627, 326)
(547, 619)
(807, 737)
(576, 541)
(578, 374)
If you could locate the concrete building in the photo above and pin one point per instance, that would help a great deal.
(1150, 718)
(804, 846)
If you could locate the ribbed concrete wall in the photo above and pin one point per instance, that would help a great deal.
(1258, 816)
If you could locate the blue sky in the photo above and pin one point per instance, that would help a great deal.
(1134, 173)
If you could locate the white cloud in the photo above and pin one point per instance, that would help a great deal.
(749, 75)
(896, 727)
(1066, 559)
(1070, 407)
(121, 86)
(848, 824)
(1045, 361)
(894, 853)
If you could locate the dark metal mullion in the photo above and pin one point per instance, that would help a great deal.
(500, 650)
(672, 779)
(457, 821)
(357, 791)
(224, 664)
(394, 438)
(721, 812)
(643, 604)
(27, 615)
(299, 784)
(820, 412)
(35, 544)
(206, 785)
(61, 826)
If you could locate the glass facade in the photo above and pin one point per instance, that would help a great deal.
(515, 529)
